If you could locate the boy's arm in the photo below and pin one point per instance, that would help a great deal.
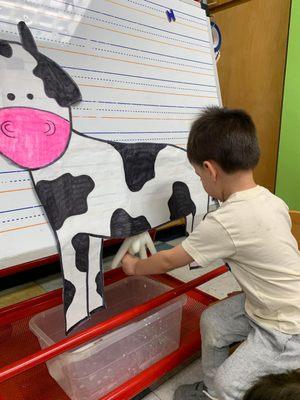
(160, 263)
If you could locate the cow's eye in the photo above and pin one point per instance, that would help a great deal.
(11, 96)
(29, 96)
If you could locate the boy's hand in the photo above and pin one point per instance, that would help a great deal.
(128, 264)
(160, 263)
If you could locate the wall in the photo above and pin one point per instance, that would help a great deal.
(251, 69)
(288, 175)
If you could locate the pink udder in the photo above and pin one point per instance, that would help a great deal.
(32, 138)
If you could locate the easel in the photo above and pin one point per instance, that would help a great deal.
(23, 374)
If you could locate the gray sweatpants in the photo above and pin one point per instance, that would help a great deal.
(262, 352)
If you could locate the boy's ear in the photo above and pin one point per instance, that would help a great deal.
(211, 169)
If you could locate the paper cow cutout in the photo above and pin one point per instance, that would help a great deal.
(90, 189)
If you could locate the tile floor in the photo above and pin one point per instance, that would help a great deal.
(219, 287)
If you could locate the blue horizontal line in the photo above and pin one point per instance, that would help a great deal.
(150, 52)
(133, 22)
(77, 37)
(11, 172)
(137, 76)
(19, 209)
(138, 104)
(151, 85)
(130, 132)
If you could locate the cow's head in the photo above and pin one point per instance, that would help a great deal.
(37, 93)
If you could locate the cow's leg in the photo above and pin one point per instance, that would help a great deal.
(74, 284)
(95, 274)
(88, 258)
(83, 286)
(189, 223)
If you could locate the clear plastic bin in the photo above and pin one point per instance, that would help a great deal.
(94, 369)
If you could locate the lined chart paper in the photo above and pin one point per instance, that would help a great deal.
(142, 78)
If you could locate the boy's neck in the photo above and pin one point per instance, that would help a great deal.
(237, 182)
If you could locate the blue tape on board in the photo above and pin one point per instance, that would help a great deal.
(171, 15)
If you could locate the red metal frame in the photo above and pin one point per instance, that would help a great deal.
(14, 269)
(45, 301)
(13, 313)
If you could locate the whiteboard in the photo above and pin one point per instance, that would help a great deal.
(142, 78)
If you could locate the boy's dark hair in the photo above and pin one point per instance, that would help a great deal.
(276, 387)
(225, 136)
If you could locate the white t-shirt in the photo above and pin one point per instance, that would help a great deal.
(251, 231)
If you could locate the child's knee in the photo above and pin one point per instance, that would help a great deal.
(209, 326)
(229, 383)
(223, 387)
(209, 320)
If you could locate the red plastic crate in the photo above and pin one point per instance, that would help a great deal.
(24, 375)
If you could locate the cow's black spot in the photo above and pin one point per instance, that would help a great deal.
(64, 197)
(81, 244)
(5, 49)
(180, 203)
(99, 277)
(99, 283)
(69, 293)
(123, 225)
(57, 83)
(138, 161)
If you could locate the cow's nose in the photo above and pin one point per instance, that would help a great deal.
(50, 127)
(7, 129)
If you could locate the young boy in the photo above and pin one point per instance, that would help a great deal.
(251, 231)
(276, 387)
